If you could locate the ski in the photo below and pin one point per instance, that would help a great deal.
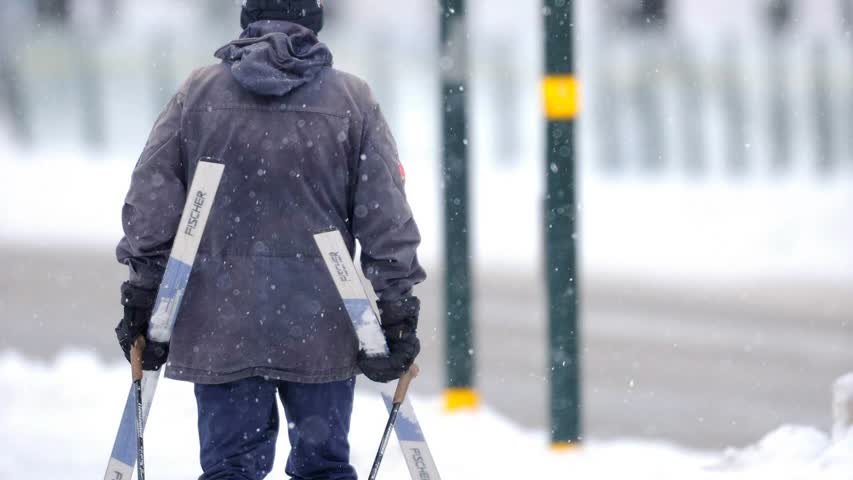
(196, 211)
(361, 308)
(415, 449)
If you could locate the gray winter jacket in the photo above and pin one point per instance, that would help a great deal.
(306, 149)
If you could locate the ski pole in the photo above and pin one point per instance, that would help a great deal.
(399, 397)
(136, 370)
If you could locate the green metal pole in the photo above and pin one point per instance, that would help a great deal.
(561, 94)
(454, 74)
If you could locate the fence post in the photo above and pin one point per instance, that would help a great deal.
(454, 75)
(646, 101)
(649, 19)
(691, 90)
(12, 95)
(846, 15)
(609, 115)
(561, 96)
(779, 16)
(54, 10)
(823, 112)
(161, 61)
(737, 153)
(90, 88)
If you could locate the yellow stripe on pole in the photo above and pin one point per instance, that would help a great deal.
(456, 399)
(565, 447)
(562, 97)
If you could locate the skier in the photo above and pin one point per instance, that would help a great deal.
(306, 149)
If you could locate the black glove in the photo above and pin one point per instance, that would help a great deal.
(400, 326)
(138, 304)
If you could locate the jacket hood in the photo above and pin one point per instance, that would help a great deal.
(274, 57)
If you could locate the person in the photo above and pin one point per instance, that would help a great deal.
(305, 149)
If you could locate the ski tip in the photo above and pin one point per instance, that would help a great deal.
(459, 399)
(118, 470)
(326, 231)
(211, 160)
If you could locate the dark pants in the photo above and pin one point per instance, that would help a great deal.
(238, 425)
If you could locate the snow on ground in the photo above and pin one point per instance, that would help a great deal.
(720, 228)
(63, 198)
(61, 417)
(664, 226)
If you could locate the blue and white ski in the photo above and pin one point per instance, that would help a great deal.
(356, 291)
(193, 220)
(412, 442)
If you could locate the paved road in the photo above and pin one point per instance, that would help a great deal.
(703, 365)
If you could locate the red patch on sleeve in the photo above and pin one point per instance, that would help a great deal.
(402, 172)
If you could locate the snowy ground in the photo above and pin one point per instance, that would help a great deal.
(660, 228)
(61, 418)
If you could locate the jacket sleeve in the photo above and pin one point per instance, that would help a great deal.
(153, 205)
(382, 219)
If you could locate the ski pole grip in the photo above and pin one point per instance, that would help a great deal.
(404, 382)
(136, 357)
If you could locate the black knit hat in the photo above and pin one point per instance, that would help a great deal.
(308, 13)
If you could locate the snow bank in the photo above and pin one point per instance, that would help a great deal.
(672, 228)
(795, 452)
(667, 227)
(61, 418)
(63, 198)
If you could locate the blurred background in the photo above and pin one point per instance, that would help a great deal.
(715, 176)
